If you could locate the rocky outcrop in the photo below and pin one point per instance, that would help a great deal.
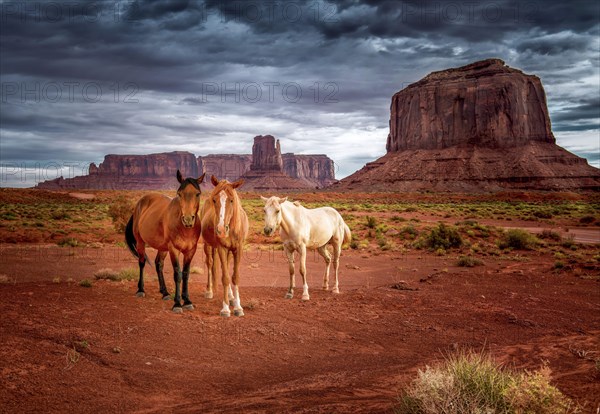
(228, 166)
(266, 171)
(131, 172)
(480, 127)
(483, 104)
(157, 171)
(266, 154)
(318, 170)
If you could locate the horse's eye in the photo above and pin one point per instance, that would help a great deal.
(198, 195)
(278, 211)
(231, 201)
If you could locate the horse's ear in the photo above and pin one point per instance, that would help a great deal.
(265, 199)
(238, 183)
(282, 200)
(214, 180)
(201, 178)
(179, 177)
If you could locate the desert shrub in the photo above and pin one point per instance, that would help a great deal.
(354, 244)
(123, 274)
(548, 234)
(59, 215)
(120, 211)
(559, 265)
(544, 214)
(468, 261)
(68, 242)
(474, 383)
(444, 237)
(517, 239)
(587, 219)
(569, 243)
(371, 222)
(85, 283)
(409, 231)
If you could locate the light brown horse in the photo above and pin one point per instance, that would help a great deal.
(224, 229)
(168, 225)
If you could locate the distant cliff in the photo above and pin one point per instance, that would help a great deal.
(157, 171)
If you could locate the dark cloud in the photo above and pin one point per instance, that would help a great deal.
(184, 74)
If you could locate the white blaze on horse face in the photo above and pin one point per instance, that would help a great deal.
(272, 216)
(223, 199)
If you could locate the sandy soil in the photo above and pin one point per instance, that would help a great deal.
(64, 347)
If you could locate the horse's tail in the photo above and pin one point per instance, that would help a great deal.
(347, 234)
(130, 238)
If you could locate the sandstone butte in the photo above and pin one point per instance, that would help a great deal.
(480, 127)
(267, 169)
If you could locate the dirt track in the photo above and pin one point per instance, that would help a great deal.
(68, 348)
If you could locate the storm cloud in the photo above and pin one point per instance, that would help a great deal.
(83, 79)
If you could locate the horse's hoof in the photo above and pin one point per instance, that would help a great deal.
(189, 306)
(325, 288)
(238, 312)
(336, 290)
(305, 297)
(225, 314)
(289, 295)
(208, 295)
(140, 295)
(177, 309)
(166, 297)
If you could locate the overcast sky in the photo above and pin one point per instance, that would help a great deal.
(82, 79)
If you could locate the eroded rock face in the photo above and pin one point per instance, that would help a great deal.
(483, 104)
(266, 154)
(228, 166)
(317, 169)
(480, 127)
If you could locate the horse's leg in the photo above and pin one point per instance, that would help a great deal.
(159, 262)
(237, 307)
(337, 251)
(208, 260)
(187, 262)
(141, 251)
(305, 295)
(177, 278)
(290, 256)
(327, 256)
(223, 253)
(230, 290)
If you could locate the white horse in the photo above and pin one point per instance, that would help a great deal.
(302, 228)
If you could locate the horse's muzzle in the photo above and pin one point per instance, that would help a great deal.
(268, 231)
(223, 231)
(188, 221)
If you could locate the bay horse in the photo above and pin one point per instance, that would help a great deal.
(168, 225)
(224, 230)
(301, 228)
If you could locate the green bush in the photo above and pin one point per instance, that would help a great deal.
(548, 234)
(473, 383)
(68, 242)
(371, 222)
(587, 219)
(518, 239)
(85, 283)
(468, 261)
(409, 231)
(444, 237)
